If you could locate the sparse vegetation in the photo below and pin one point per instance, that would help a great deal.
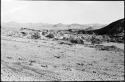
(23, 33)
(27, 55)
(76, 40)
(50, 35)
(106, 38)
(108, 48)
(35, 35)
(96, 39)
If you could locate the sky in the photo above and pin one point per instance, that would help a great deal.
(66, 12)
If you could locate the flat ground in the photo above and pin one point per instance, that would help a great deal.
(46, 60)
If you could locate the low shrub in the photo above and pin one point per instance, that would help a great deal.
(117, 39)
(44, 33)
(23, 33)
(95, 39)
(35, 35)
(50, 35)
(76, 40)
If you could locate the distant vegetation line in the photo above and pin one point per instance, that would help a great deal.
(113, 32)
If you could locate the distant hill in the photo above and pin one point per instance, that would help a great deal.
(41, 26)
(89, 28)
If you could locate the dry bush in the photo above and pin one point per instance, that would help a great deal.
(117, 39)
(73, 39)
(23, 33)
(13, 34)
(106, 38)
(94, 39)
(76, 40)
(44, 33)
(50, 35)
(65, 38)
(35, 35)
(10, 33)
(86, 37)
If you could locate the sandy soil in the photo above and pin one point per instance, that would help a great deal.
(46, 60)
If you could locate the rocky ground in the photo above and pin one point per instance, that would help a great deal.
(47, 60)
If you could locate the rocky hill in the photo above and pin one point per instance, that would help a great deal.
(115, 30)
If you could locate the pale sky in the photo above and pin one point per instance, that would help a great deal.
(66, 12)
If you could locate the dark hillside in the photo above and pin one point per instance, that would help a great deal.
(112, 29)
